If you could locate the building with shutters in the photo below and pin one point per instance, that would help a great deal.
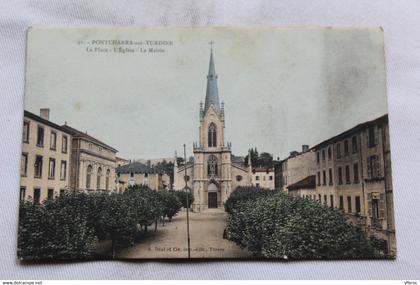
(45, 160)
(263, 177)
(137, 173)
(353, 173)
(213, 173)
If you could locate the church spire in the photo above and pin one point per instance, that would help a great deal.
(212, 93)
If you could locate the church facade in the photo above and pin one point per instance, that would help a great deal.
(214, 172)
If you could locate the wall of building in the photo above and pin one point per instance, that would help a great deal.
(30, 148)
(297, 167)
(152, 180)
(263, 179)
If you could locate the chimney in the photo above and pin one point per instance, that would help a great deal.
(305, 148)
(44, 113)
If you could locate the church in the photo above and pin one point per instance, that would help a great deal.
(214, 172)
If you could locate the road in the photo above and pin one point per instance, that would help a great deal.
(170, 241)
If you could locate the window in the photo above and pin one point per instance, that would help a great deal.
(357, 204)
(24, 164)
(319, 178)
(238, 177)
(62, 192)
(98, 178)
(354, 144)
(212, 137)
(349, 209)
(375, 208)
(37, 196)
(131, 174)
(329, 153)
(63, 170)
(38, 166)
(90, 147)
(25, 135)
(371, 137)
(212, 166)
(22, 193)
(51, 168)
(340, 176)
(317, 157)
(330, 176)
(53, 140)
(319, 197)
(50, 194)
(338, 150)
(146, 175)
(374, 167)
(346, 148)
(332, 201)
(325, 199)
(271, 177)
(40, 136)
(347, 174)
(257, 177)
(64, 144)
(88, 176)
(323, 154)
(324, 178)
(108, 175)
(258, 184)
(341, 203)
(356, 173)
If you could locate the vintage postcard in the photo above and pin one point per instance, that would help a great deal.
(206, 142)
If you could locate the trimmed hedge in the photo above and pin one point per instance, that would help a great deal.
(276, 225)
(69, 226)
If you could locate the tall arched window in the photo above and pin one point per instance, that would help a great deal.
(212, 166)
(98, 178)
(212, 137)
(108, 174)
(88, 176)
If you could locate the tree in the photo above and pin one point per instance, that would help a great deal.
(55, 229)
(170, 202)
(280, 226)
(182, 197)
(168, 168)
(265, 159)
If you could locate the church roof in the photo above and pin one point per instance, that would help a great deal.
(212, 93)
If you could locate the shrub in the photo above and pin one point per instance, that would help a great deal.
(170, 202)
(280, 226)
(182, 197)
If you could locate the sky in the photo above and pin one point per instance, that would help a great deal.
(282, 87)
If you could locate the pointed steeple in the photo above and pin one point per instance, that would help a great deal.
(212, 93)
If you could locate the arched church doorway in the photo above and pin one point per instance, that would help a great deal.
(212, 195)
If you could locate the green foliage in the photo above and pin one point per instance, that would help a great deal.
(168, 168)
(264, 159)
(182, 197)
(170, 202)
(69, 226)
(53, 231)
(241, 194)
(280, 226)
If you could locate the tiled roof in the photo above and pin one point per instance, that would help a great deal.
(308, 182)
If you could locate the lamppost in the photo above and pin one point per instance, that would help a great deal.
(188, 203)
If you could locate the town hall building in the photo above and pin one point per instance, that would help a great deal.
(214, 172)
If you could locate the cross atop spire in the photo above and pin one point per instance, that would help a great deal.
(212, 93)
